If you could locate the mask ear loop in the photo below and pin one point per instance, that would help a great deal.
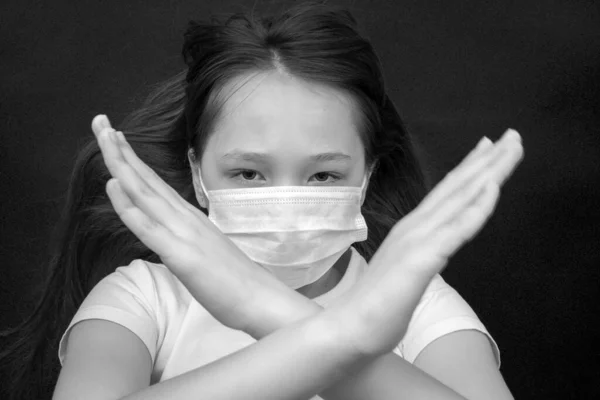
(204, 191)
(203, 197)
(365, 184)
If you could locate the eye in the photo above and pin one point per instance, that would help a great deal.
(326, 177)
(248, 175)
(245, 175)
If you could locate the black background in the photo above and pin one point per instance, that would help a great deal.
(456, 70)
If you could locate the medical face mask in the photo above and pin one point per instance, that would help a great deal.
(296, 232)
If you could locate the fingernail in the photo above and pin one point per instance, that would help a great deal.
(105, 122)
(512, 134)
(483, 143)
(112, 134)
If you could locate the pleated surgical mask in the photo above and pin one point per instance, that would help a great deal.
(296, 232)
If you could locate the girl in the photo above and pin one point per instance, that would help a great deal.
(230, 204)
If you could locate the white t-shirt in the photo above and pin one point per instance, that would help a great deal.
(181, 335)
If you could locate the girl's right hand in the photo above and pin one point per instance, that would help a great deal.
(375, 314)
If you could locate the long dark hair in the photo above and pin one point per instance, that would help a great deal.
(313, 41)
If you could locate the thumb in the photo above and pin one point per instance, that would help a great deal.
(100, 122)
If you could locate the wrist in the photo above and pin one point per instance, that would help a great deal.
(330, 333)
(277, 306)
(367, 333)
(340, 319)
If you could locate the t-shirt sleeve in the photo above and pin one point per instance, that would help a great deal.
(125, 297)
(442, 310)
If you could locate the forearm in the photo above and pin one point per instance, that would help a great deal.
(295, 362)
(387, 377)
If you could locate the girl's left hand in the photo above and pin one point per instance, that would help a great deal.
(238, 292)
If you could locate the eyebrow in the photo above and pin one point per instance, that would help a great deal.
(237, 155)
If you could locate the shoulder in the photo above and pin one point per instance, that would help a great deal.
(152, 279)
(141, 296)
(441, 310)
(141, 272)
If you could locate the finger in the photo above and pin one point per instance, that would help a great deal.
(101, 126)
(150, 177)
(109, 149)
(469, 167)
(153, 234)
(100, 122)
(448, 239)
(141, 194)
(472, 221)
(484, 144)
(507, 165)
(461, 200)
(452, 206)
(465, 172)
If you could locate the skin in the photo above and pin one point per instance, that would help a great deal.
(356, 333)
(255, 301)
(288, 120)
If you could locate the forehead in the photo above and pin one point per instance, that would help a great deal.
(283, 114)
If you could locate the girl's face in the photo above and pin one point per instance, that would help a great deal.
(277, 130)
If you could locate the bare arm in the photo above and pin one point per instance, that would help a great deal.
(298, 362)
(381, 377)
(295, 362)
(305, 358)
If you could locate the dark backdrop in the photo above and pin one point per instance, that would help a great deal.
(457, 71)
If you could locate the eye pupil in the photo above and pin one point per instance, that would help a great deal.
(321, 176)
(249, 175)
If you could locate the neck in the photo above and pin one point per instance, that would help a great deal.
(329, 280)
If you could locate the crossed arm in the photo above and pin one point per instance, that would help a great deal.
(306, 353)
(302, 353)
(459, 365)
